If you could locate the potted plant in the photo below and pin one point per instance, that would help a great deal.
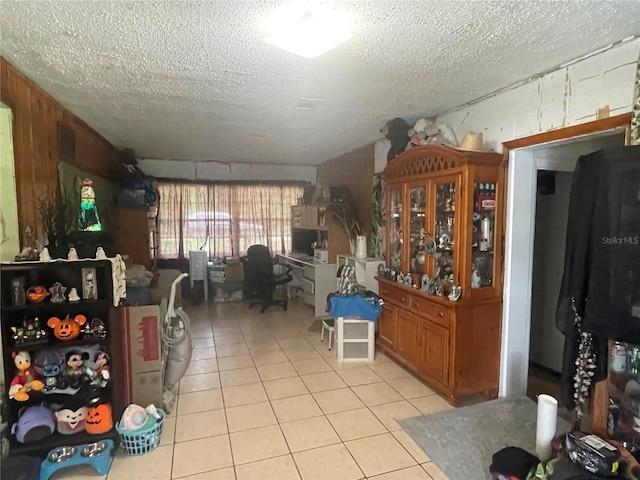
(58, 214)
(344, 212)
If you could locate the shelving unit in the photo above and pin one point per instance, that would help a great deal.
(355, 339)
(52, 351)
(366, 270)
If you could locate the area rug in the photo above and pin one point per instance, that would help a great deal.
(462, 441)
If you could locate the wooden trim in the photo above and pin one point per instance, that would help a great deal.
(595, 126)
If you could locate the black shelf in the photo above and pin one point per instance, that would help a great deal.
(29, 307)
(55, 343)
(70, 275)
(42, 448)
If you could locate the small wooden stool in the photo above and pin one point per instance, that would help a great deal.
(328, 324)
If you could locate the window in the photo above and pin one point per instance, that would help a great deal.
(231, 217)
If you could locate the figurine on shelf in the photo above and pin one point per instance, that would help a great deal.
(73, 254)
(89, 288)
(18, 295)
(66, 329)
(88, 220)
(57, 293)
(476, 279)
(44, 255)
(98, 328)
(37, 294)
(25, 379)
(73, 295)
(100, 254)
(76, 371)
(30, 332)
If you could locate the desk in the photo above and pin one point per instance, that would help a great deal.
(314, 281)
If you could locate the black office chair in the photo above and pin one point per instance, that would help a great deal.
(260, 281)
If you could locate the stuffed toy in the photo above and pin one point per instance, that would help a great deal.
(71, 421)
(102, 373)
(67, 329)
(396, 131)
(76, 370)
(25, 379)
(99, 419)
(427, 132)
(34, 424)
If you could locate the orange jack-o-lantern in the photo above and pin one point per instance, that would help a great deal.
(67, 329)
(99, 419)
(37, 294)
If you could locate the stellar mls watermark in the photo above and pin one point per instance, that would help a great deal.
(630, 240)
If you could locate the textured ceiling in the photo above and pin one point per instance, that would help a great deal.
(192, 80)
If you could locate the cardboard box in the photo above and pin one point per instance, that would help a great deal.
(234, 273)
(142, 339)
(146, 388)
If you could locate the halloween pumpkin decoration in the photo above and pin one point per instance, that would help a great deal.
(67, 329)
(37, 294)
(99, 419)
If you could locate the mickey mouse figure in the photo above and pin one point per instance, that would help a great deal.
(102, 372)
(76, 371)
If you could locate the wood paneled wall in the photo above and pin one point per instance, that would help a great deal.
(35, 142)
(355, 170)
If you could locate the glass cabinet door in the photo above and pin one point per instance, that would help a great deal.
(444, 231)
(395, 229)
(483, 240)
(417, 232)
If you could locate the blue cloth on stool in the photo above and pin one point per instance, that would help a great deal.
(354, 306)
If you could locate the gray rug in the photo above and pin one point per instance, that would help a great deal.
(462, 441)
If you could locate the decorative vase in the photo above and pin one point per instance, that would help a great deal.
(361, 246)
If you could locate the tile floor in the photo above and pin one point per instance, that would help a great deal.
(264, 399)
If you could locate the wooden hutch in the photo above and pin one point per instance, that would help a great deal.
(444, 233)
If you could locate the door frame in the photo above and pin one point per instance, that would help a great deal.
(520, 172)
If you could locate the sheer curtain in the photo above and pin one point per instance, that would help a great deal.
(232, 217)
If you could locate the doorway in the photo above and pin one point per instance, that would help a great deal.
(554, 152)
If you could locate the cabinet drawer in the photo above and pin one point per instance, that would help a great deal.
(309, 273)
(437, 313)
(394, 295)
(307, 285)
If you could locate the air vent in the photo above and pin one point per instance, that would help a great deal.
(66, 142)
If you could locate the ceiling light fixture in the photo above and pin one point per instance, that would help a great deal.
(308, 30)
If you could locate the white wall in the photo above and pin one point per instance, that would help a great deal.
(9, 241)
(190, 170)
(568, 96)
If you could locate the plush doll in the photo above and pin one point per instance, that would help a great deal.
(71, 421)
(26, 378)
(396, 131)
(76, 371)
(35, 423)
(99, 419)
(102, 371)
(427, 132)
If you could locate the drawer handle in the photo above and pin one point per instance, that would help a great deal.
(441, 313)
(385, 291)
(417, 305)
(403, 299)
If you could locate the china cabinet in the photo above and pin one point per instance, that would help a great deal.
(75, 351)
(443, 285)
